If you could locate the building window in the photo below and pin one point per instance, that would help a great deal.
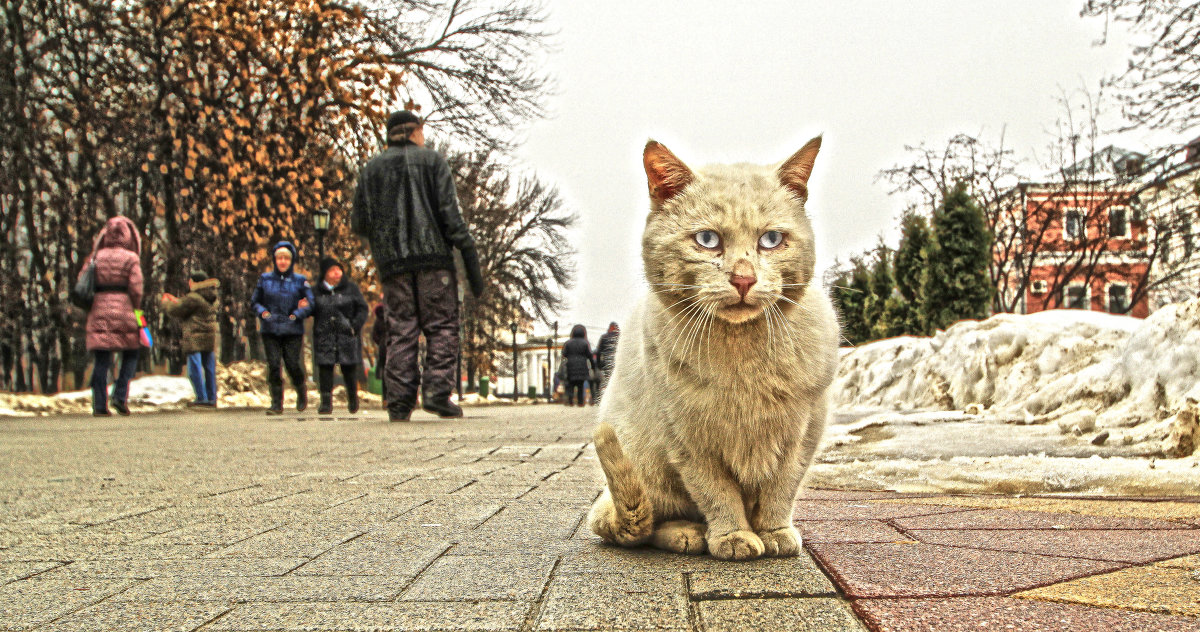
(1118, 298)
(1076, 297)
(1073, 224)
(1118, 222)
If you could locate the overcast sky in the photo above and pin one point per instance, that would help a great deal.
(752, 81)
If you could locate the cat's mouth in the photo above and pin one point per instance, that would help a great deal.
(740, 311)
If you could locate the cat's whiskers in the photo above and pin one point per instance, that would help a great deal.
(695, 302)
(683, 332)
(785, 322)
(701, 325)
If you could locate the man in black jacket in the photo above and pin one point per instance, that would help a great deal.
(406, 207)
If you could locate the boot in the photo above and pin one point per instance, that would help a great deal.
(276, 400)
(352, 399)
(301, 397)
(441, 406)
(326, 406)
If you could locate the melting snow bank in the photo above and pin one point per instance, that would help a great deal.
(1034, 474)
(1111, 379)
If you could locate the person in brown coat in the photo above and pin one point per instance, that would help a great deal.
(197, 316)
(111, 325)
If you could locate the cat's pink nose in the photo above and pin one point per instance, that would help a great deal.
(742, 283)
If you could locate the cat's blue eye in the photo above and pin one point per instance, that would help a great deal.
(708, 239)
(770, 239)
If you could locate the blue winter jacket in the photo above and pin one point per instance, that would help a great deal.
(280, 294)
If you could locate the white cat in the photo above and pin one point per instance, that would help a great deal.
(718, 399)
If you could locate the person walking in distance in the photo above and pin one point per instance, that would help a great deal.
(606, 354)
(406, 207)
(577, 357)
(339, 313)
(283, 299)
(379, 337)
(197, 316)
(111, 324)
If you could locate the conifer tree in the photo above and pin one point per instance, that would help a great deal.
(851, 288)
(956, 284)
(881, 286)
(910, 262)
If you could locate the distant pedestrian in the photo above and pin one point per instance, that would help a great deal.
(111, 324)
(283, 299)
(379, 336)
(339, 313)
(197, 316)
(577, 357)
(405, 205)
(606, 354)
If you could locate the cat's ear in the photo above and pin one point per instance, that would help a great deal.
(666, 175)
(795, 170)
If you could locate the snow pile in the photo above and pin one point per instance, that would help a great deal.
(1085, 370)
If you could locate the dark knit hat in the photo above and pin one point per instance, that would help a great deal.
(198, 276)
(330, 262)
(402, 117)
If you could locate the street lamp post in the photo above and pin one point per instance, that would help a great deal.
(513, 328)
(321, 225)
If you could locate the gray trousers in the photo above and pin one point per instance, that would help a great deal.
(420, 303)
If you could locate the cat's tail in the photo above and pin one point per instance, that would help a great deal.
(623, 514)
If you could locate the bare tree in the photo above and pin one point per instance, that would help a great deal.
(1161, 86)
(524, 253)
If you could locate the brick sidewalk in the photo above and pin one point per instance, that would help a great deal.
(236, 521)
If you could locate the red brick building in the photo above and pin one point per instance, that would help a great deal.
(1081, 241)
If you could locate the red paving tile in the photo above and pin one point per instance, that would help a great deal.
(838, 494)
(848, 531)
(925, 570)
(1010, 519)
(863, 510)
(1120, 545)
(1000, 613)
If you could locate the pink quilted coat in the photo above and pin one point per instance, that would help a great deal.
(111, 325)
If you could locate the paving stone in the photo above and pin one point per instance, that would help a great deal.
(290, 588)
(608, 600)
(422, 486)
(840, 494)
(294, 540)
(862, 510)
(848, 531)
(1122, 545)
(790, 577)
(31, 602)
(1002, 613)
(919, 570)
(146, 569)
(181, 616)
(13, 571)
(1149, 588)
(1011, 519)
(1190, 561)
(778, 615)
(372, 558)
(482, 577)
(214, 533)
(1186, 512)
(375, 617)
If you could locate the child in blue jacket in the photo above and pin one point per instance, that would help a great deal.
(283, 299)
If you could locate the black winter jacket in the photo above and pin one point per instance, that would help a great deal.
(338, 318)
(406, 207)
(578, 356)
(606, 351)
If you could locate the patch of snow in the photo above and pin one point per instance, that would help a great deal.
(1138, 377)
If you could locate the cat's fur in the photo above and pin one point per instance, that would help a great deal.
(715, 407)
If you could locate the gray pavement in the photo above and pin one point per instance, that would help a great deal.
(233, 520)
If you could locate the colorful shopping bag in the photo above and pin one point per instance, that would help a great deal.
(144, 332)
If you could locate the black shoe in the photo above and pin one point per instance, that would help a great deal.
(209, 404)
(195, 404)
(399, 414)
(352, 402)
(326, 406)
(276, 408)
(121, 408)
(442, 407)
(302, 399)
(102, 413)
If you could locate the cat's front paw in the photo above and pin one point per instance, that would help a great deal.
(737, 545)
(783, 542)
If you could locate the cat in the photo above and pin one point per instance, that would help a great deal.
(718, 398)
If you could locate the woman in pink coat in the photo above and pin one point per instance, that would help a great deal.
(111, 325)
